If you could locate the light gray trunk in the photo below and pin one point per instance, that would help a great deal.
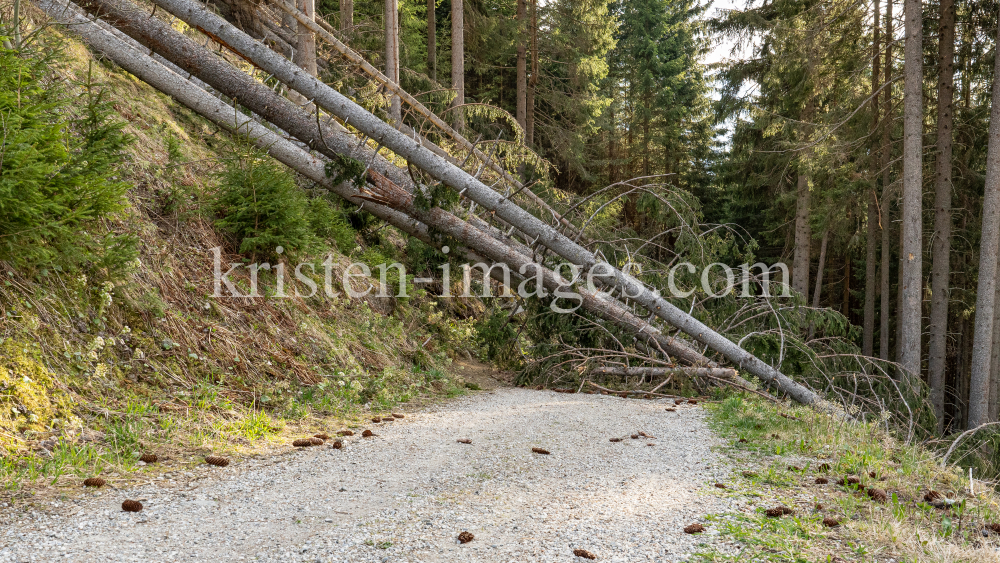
(522, 66)
(979, 386)
(724, 373)
(911, 275)
(492, 202)
(458, 63)
(818, 290)
(941, 247)
(803, 237)
(347, 19)
(871, 242)
(432, 65)
(392, 55)
(305, 50)
(994, 404)
(886, 219)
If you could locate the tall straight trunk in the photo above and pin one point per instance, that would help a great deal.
(347, 18)
(818, 290)
(803, 237)
(911, 260)
(522, 65)
(994, 402)
(458, 63)
(305, 50)
(979, 385)
(871, 242)
(846, 307)
(432, 63)
(941, 247)
(529, 125)
(392, 55)
(884, 269)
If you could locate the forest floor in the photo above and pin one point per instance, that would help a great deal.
(407, 493)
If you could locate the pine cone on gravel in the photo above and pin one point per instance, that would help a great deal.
(741, 441)
(540, 451)
(692, 402)
(323, 437)
(217, 461)
(367, 433)
(824, 467)
(819, 506)
(616, 439)
(671, 410)
(584, 553)
(316, 441)
(397, 415)
(794, 468)
(132, 506)
(388, 419)
(778, 511)
(849, 480)
(994, 527)
(822, 480)
(678, 401)
(720, 486)
(338, 444)
(878, 495)
(749, 474)
(94, 482)
(465, 537)
(376, 419)
(464, 441)
(635, 436)
(694, 529)
(148, 458)
(345, 433)
(831, 522)
(302, 443)
(931, 496)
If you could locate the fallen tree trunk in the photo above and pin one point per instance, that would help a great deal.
(313, 168)
(483, 195)
(727, 373)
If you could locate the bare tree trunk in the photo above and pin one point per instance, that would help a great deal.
(347, 19)
(979, 386)
(871, 243)
(529, 125)
(305, 51)
(522, 66)
(911, 261)
(818, 290)
(941, 248)
(392, 55)
(458, 63)
(994, 402)
(884, 269)
(803, 237)
(492, 202)
(432, 65)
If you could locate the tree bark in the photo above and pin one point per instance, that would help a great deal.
(941, 247)
(492, 202)
(529, 120)
(432, 68)
(347, 19)
(522, 66)
(817, 291)
(885, 218)
(392, 56)
(458, 63)
(911, 275)
(871, 242)
(979, 386)
(305, 51)
(803, 236)
(994, 401)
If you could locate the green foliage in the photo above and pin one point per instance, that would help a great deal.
(59, 168)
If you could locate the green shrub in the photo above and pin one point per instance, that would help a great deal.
(58, 168)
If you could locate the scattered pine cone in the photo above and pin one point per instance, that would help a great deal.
(831, 522)
(878, 495)
(376, 419)
(872, 474)
(345, 433)
(692, 402)
(388, 419)
(678, 401)
(742, 441)
(931, 496)
(749, 474)
(650, 444)
(94, 482)
(584, 553)
(540, 451)
(794, 468)
(824, 467)
(671, 410)
(465, 537)
(616, 439)
(316, 441)
(773, 513)
(995, 528)
(323, 437)
(635, 436)
(217, 461)
(720, 486)
(338, 444)
(132, 506)
(644, 435)
(786, 510)
(819, 506)
(776, 436)
(464, 441)
(367, 434)
(148, 458)
(302, 443)
(694, 529)
(850, 480)
(822, 480)
(397, 415)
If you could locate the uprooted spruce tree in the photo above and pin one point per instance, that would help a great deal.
(585, 188)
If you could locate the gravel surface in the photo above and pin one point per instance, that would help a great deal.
(407, 493)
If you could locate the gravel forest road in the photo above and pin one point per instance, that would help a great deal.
(405, 494)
